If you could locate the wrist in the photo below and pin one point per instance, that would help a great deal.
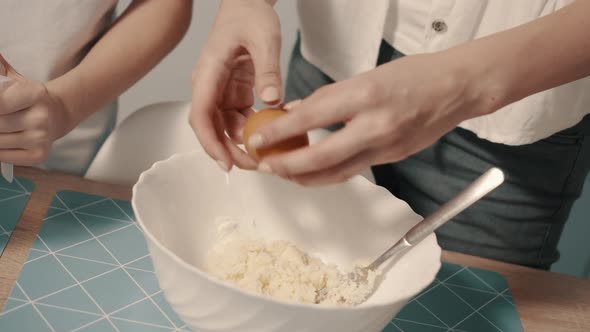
(63, 106)
(485, 81)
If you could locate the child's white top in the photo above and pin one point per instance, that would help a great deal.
(43, 39)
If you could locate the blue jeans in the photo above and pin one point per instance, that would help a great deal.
(521, 221)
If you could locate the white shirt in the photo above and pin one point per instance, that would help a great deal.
(406, 24)
(342, 39)
(42, 40)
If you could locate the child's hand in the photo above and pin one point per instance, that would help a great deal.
(31, 119)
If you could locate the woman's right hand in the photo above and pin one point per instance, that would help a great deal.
(242, 53)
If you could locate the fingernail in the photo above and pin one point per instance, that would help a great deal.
(223, 166)
(270, 94)
(292, 104)
(265, 168)
(255, 141)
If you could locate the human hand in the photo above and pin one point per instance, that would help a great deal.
(389, 113)
(31, 119)
(242, 53)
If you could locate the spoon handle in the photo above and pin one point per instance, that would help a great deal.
(487, 182)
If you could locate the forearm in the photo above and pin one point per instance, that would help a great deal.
(137, 41)
(511, 65)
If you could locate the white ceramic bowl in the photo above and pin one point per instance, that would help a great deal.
(177, 201)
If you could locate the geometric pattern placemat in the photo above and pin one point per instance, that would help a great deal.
(460, 299)
(89, 270)
(13, 199)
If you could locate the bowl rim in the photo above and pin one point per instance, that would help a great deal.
(251, 294)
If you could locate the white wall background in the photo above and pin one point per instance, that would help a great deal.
(170, 80)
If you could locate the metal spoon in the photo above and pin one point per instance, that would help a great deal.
(474, 192)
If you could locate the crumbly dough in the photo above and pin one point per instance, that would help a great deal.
(281, 270)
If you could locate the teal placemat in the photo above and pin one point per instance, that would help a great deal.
(13, 199)
(89, 270)
(461, 299)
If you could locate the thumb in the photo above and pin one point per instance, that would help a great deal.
(266, 59)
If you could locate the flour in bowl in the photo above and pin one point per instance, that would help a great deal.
(281, 270)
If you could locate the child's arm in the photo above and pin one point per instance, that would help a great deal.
(138, 40)
(33, 114)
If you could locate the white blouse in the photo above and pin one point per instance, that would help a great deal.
(342, 38)
(44, 39)
(406, 24)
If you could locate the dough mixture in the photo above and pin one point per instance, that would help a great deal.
(281, 270)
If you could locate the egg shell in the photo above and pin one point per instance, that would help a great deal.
(261, 118)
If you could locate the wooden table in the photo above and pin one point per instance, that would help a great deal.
(545, 301)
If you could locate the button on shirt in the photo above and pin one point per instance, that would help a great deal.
(439, 26)
(407, 24)
(342, 38)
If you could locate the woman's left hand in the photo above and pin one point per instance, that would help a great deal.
(389, 113)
